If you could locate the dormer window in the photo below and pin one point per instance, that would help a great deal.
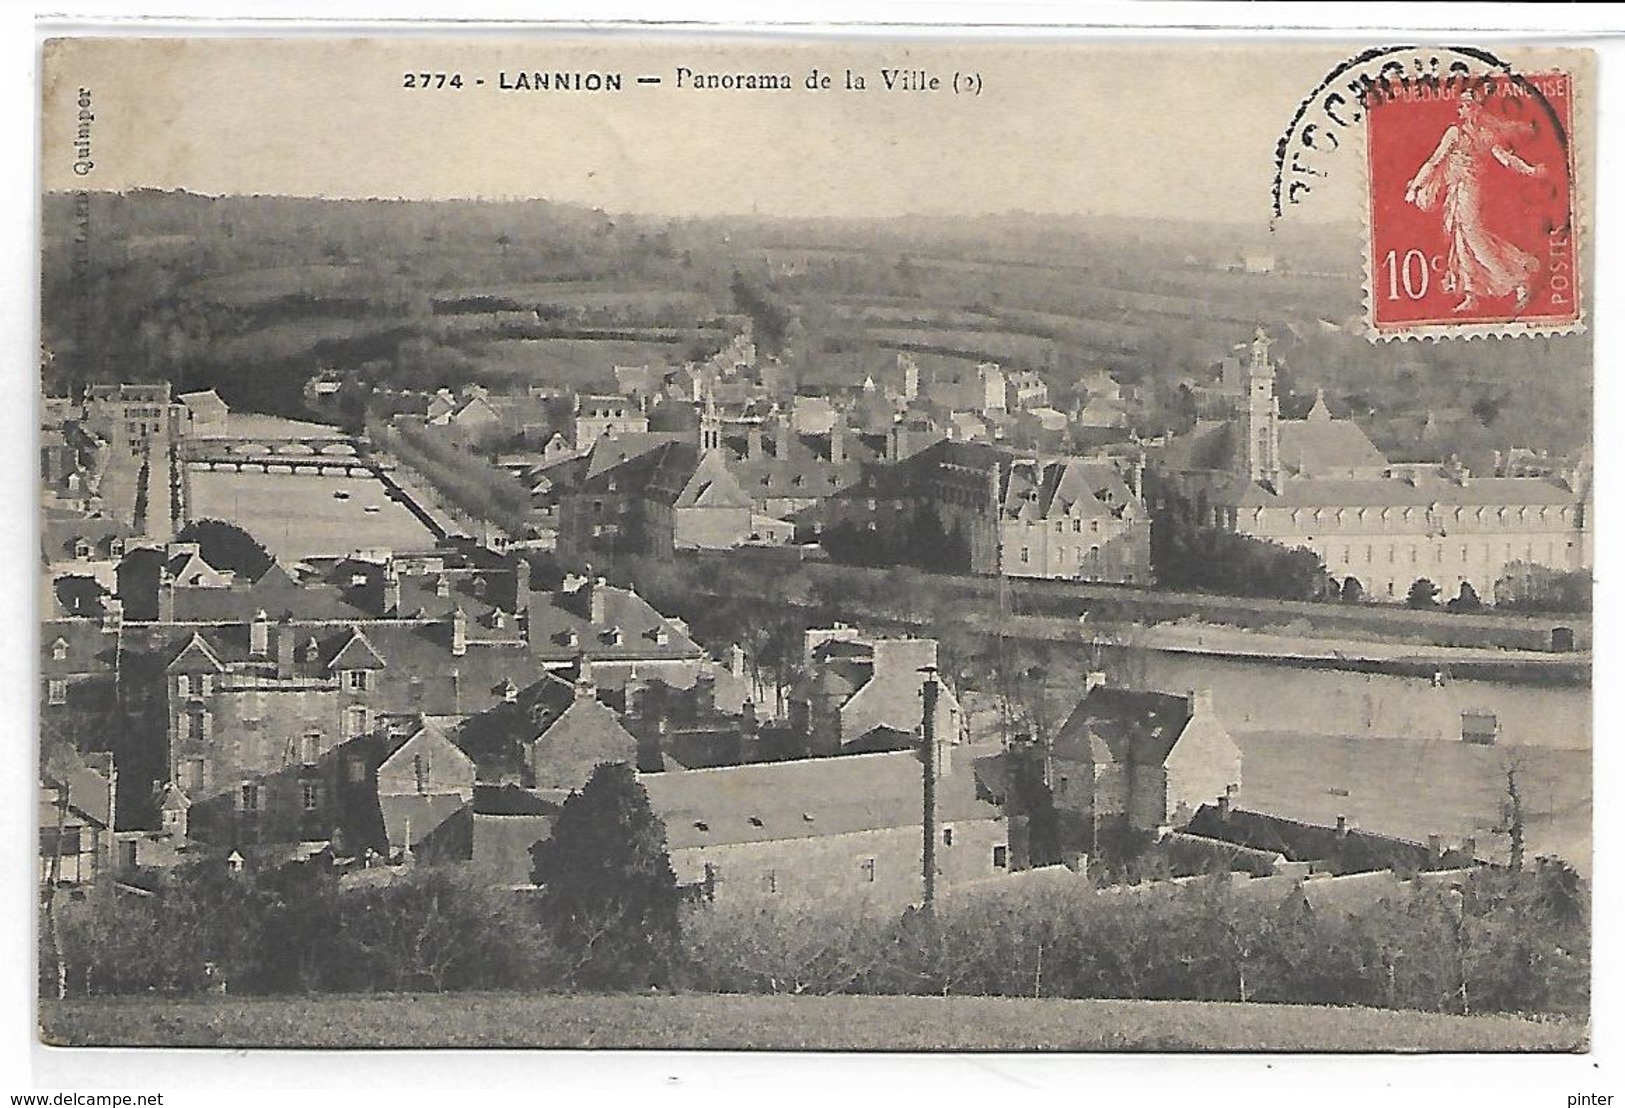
(480, 587)
(116, 548)
(59, 650)
(81, 548)
(313, 650)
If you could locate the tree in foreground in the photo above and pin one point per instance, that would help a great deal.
(609, 897)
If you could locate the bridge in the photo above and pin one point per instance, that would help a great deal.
(308, 455)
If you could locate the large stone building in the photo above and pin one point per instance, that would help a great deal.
(1004, 512)
(1321, 484)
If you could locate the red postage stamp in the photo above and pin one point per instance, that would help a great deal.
(1472, 207)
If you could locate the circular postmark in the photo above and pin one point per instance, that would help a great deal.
(1468, 180)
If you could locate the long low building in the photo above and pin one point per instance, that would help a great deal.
(1321, 484)
(814, 828)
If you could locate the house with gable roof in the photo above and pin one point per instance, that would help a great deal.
(1129, 760)
(76, 814)
(423, 779)
(864, 693)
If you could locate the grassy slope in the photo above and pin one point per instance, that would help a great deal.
(783, 1023)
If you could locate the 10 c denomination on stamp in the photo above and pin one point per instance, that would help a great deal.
(1471, 195)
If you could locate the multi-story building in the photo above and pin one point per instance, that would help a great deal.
(1321, 484)
(131, 416)
(600, 416)
(1002, 512)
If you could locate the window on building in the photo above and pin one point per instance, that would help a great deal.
(357, 680)
(68, 842)
(205, 684)
(56, 691)
(770, 882)
(867, 866)
(249, 797)
(191, 775)
(947, 836)
(1001, 857)
(59, 651)
(1077, 526)
(420, 773)
(310, 748)
(310, 796)
(183, 685)
(355, 721)
(355, 770)
(414, 690)
(197, 726)
(1024, 555)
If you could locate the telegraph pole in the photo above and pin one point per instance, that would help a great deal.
(928, 734)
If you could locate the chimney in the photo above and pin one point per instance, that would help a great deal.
(112, 614)
(1435, 849)
(442, 587)
(284, 650)
(1342, 825)
(705, 692)
(1469, 847)
(586, 687)
(459, 632)
(1199, 701)
(837, 442)
(753, 442)
(166, 596)
(1093, 680)
(736, 660)
(392, 589)
(259, 635)
(521, 586)
(1224, 805)
(635, 692)
(596, 598)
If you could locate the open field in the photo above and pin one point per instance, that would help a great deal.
(297, 515)
(710, 1022)
(578, 363)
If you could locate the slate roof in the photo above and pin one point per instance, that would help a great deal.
(553, 623)
(422, 813)
(1123, 726)
(806, 798)
(1320, 446)
(60, 533)
(1352, 851)
(511, 800)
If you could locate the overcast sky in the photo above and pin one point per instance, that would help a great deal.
(1155, 131)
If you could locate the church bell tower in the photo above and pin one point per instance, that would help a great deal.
(1260, 415)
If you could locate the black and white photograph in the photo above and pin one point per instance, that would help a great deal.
(666, 541)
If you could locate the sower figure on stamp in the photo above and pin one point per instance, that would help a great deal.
(1479, 263)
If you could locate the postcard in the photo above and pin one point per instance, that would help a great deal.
(677, 540)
